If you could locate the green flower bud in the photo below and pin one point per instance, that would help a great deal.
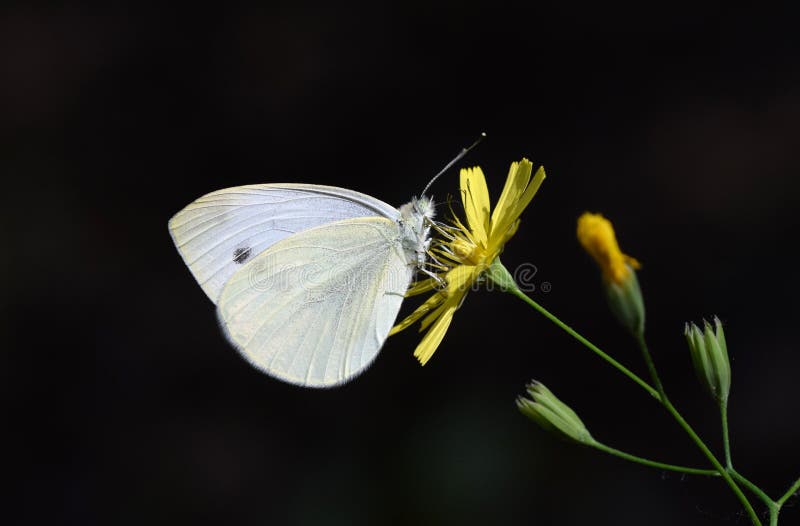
(710, 357)
(552, 414)
(626, 302)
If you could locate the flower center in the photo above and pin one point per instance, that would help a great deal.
(468, 252)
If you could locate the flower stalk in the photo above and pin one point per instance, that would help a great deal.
(468, 253)
(718, 467)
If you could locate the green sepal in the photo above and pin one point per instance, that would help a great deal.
(709, 352)
(626, 302)
(552, 414)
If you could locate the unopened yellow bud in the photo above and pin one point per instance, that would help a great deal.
(596, 234)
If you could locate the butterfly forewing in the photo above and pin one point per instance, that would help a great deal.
(220, 232)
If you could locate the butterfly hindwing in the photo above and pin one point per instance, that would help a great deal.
(315, 308)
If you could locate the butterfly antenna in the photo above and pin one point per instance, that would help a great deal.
(457, 158)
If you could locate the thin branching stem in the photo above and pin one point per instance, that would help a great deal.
(655, 393)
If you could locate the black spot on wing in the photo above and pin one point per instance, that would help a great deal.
(240, 255)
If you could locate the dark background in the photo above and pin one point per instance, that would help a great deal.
(126, 405)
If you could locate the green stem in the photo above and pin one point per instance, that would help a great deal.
(776, 506)
(651, 366)
(791, 491)
(513, 289)
(569, 330)
(714, 462)
(653, 463)
(696, 438)
(726, 443)
(741, 479)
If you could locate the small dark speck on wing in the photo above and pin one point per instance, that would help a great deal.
(240, 255)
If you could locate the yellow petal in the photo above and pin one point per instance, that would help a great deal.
(430, 318)
(431, 341)
(421, 286)
(530, 192)
(475, 196)
(515, 185)
(633, 262)
(497, 242)
(429, 305)
(460, 278)
(596, 234)
(459, 281)
(517, 195)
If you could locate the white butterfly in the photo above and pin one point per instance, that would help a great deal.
(307, 279)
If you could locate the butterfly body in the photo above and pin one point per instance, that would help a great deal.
(414, 222)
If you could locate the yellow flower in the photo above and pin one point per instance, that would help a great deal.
(624, 296)
(468, 250)
(596, 235)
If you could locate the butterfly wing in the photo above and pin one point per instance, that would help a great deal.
(221, 231)
(315, 308)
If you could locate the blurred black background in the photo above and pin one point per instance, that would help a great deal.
(126, 405)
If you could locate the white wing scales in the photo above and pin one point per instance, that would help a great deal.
(221, 231)
(315, 308)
